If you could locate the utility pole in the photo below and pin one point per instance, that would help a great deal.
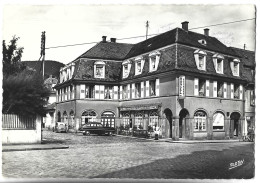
(147, 25)
(43, 38)
(244, 46)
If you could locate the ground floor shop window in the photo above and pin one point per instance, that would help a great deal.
(153, 119)
(126, 119)
(218, 121)
(88, 116)
(139, 120)
(108, 119)
(200, 119)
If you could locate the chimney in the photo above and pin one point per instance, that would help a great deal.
(206, 32)
(104, 39)
(185, 25)
(113, 40)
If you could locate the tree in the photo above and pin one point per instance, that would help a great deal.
(12, 55)
(24, 91)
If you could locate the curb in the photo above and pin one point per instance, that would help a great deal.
(183, 142)
(33, 148)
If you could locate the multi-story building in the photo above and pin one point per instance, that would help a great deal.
(190, 85)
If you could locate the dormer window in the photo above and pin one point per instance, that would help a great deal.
(234, 65)
(218, 63)
(99, 69)
(154, 58)
(200, 59)
(126, 68)
(203, 42)
(139, 64)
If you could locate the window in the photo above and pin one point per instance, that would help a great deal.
(218, 121)
(99, 69)
(236, 91)
(124, 92)
(137, 90)
(108, 92)
(153, 119)
(126, 119)
(89, 91)
(220, 89)
(88, 116)
(139, 120)
(200, 119)
(235, 67)
(139, 63)
(203, 42)
(200, 59)
(202, 87)
(108, 119)
(154, 58)
(152, 88)
(126, 68)
(218, 63)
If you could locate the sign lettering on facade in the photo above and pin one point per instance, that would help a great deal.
(182, 87)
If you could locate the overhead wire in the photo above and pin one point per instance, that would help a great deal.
(62, 46)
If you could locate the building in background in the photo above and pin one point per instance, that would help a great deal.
(190, 85)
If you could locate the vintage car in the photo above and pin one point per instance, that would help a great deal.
(96, 128)
(60, 127)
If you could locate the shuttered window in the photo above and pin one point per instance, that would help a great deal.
(133, 90)
(196, 86)
(215, 87)
(147, 93)
(96, 91)
(157, 87)
(116, 92)
(121, 92)
(241, 92)
(128, 91)
(231, 90)
(207, 88)
(225, 90)
(82, 91)
(142, 89)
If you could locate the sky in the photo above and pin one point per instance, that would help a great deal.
(85, 23)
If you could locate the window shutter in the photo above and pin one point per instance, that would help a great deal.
(142, 89)
(215, 88)
(121, 92)
(96, 91)
(232, 90)
(133, 90)
(225, 90)
(72, 92)
(157, 84)
(128, 91)
(82, 91)
(68, 92)
(101, 91)
(207, 88)
(147, 89)
(196, 86)
(115, 92)
(241, 92)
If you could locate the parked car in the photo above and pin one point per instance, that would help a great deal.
(96, 128)
(61, 127)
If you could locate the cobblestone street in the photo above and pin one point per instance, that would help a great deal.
(125, 157)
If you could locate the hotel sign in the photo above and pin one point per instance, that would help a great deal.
(182, 87)
(139, 107)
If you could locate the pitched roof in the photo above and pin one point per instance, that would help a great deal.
(248, 63)
(50, 67)
(108, 50)
(179, 35)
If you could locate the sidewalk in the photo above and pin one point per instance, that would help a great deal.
(31, 147)
(185, 141)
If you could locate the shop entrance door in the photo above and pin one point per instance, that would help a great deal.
(183, 126)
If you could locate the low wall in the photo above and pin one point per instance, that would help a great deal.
(22, 136)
